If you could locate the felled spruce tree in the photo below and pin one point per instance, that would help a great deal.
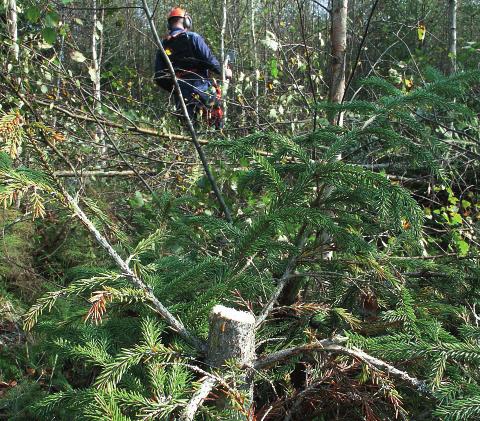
(350, 336)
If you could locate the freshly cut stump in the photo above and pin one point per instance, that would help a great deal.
(232, 337)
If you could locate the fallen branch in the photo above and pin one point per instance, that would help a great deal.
(157, 306)
(100, 173)
(188, 414)
(333, 345)
(80, 115)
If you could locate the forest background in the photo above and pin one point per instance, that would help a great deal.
(338, 211)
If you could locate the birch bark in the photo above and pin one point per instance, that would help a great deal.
(338, 37)
(12, 27)
(97, 53)
(253, 6)
(222, 57)
(452, 36)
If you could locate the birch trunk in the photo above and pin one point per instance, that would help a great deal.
(12, 60)
(222, 56)
(290, 288)
(452, 36)
(338, 37)
(253, 6)
(97, 53)
(222, 38)
(12, 28)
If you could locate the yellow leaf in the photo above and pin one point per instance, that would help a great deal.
(408, 83)
(421, 31)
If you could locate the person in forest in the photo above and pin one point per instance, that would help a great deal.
(192, 61)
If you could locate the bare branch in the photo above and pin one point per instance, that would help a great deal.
(79, 115)
(100, 173)
(322, 6)
(362, 43)
(285, 278)
(188, 414)
(333, 345)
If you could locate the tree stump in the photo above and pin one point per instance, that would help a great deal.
(232, 337)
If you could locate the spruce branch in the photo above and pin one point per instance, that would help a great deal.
(47, 301)
(285, 278)
(157, 306)
(460, 409)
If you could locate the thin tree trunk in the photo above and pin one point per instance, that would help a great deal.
(14, 56)
(222, 56)
(97, 53)
(61, 57)
(255, 58)
(290, 289)
(336, 95)
(452, 36)
(222, 38)
(12, 19)
(338, 37)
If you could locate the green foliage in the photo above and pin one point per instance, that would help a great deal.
(194, 262)
(461, 409)
(381, 288)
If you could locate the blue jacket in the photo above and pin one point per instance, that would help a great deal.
(192, 71)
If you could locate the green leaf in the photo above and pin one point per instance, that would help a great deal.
(33, 14)
(52, 19)
(455, 218)
(453, 200)
(274, 68)
(463, 247)
(49, 35)
(421, 31)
